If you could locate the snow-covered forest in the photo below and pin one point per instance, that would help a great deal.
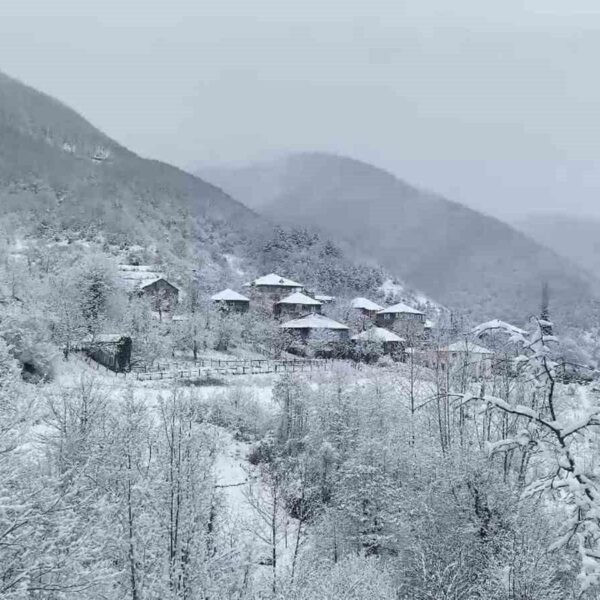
(380, 479)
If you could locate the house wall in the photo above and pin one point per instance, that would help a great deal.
(239, 306)
(324, 334)
(295, 310)
(393, 348)
(475, 363)
(370, 314)
(387, 319)
(165, 297)
(336, 335)
(273, 292)
(115, 356)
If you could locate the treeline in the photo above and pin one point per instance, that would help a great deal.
(320, 264)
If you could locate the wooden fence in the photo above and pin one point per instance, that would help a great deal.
(207, 368)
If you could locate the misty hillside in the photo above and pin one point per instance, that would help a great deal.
(60, 174)
(574, 237)
(460, 257)
(64, 181)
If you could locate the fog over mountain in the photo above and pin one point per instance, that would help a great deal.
(61, 174)
(488, 103)
(576, 237)
(459, 256)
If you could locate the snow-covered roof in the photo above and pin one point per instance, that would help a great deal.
(497, 324)
(467, 347)
(140, 276)
(103, 338)
(138, 280)
(314, 321)
(229, 295)
(299, 298)
(137, 268)
(400, 308)
(147, 282)
(324, 298)
(378, 334)
(365, 304)
(275, 280)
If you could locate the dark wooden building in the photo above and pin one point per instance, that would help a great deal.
(164, 296)
(110, 350)
(400, 314)
(231, 300)
(316, 325)
(143, 281)
(391, 343)
(296, 304)
(366, 307)
(273, 287)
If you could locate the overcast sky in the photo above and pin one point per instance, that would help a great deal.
(495, 103)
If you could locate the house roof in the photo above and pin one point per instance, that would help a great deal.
(136, 268)
(400, 308)
(314, 321)
(365, 304)
(138, 277)
(136, 280)
(324, 298)
(497, 324)
(378, 334)
(103, 338)
(148, 282)
(229, 295)
(299, 298)
(467, 347)
(275, 280)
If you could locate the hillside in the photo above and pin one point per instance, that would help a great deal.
(461, 257)
(574, 237)
(64, 181)
(62, 178)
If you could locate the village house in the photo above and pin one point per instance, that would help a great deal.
(317, 326)
(391, 343)
(273, 286)
(231, 300)
(497, 330)
(366, 307)
(465, 357)
(296, 304)
(144, 281)
(324, 299)
(504, 339)
(110, 350)
(401, 314)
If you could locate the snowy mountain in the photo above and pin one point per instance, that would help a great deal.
(63, 182)
(463, 258)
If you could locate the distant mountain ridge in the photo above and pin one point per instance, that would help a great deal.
(576, 237)
(463, 258)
